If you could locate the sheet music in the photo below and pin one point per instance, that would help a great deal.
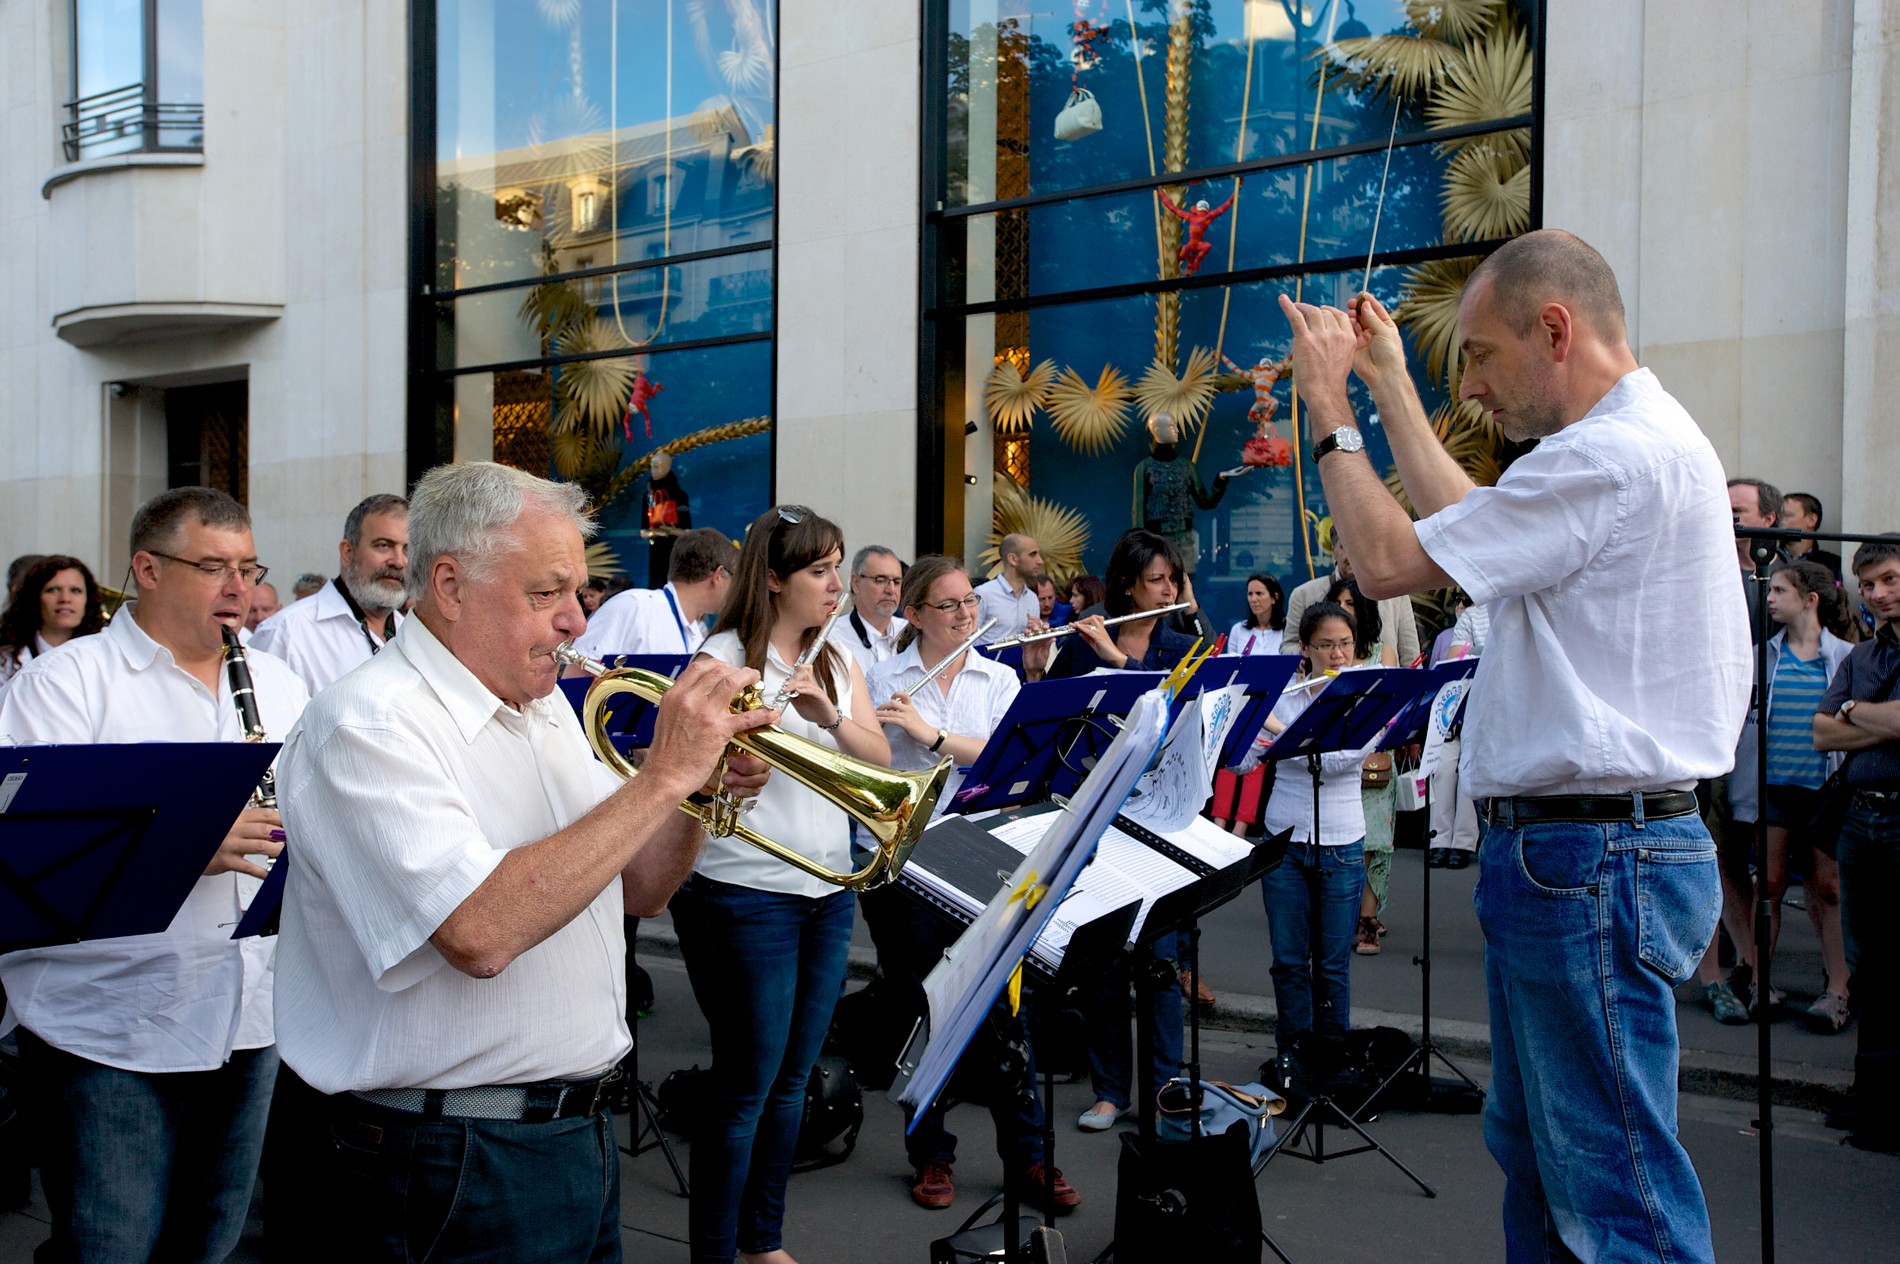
(1170, 794)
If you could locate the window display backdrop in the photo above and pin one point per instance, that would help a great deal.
(1069, 304)
(600, 282)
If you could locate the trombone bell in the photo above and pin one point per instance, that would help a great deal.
(893, 807)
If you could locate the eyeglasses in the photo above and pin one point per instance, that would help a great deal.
(792, 514)
(970, 602)
(882, 581)
(1328, 646)
(219, 571)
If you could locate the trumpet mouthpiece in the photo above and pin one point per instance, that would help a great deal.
(566, 653)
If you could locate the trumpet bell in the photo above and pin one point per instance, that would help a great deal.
(891, 806)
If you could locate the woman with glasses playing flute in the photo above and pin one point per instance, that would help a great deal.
(952, 713)
(765, 943)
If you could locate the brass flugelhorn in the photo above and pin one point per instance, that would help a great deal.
(891, 806)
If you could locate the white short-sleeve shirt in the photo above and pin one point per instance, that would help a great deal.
(320, 637)
(404, 787)
(784, 811)
(183, 999)
(1618, 654)
(1012, 610)
(641, 621)
(1342, 812)
(873, 647)
(979, 697)
(1242, 639)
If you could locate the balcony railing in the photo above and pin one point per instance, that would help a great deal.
(124, 120)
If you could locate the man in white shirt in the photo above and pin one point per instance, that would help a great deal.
(351, 617)
(1599, 888)
(451, 957)
(1395, 613)
(669, 620)
(151, 1056)
(870, 630)
(264, 604)
(1009, 596)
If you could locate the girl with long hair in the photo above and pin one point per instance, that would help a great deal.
(765, 943)
(1381, 803)
(58, 600)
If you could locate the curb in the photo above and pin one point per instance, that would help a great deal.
(1793, 1085)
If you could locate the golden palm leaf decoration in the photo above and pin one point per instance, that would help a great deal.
(1491, 81)
(1428, 310)
(598, 389)
(1091, 418)
(602, 561)
(1471, 438)
(1062, 534)
(1404, 65)
(1186, 398)
(1453, 20)
(582, 456)
(1012, 399)
(1486, 194)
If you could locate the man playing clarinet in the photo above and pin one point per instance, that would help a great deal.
(1598, 888)
(152, 1056)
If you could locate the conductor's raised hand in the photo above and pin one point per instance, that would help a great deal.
(1379, 352)
(257, 832)
(696, 722)
(1323, 348)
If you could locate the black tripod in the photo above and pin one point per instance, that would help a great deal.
(642, 1105)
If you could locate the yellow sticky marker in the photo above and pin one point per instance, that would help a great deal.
(1016, 989)
(1029, 891)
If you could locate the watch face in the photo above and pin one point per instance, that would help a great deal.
(1350, 440)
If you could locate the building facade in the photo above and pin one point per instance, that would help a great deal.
(825, 253)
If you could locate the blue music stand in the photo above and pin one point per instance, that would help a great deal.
(1264, 676)
(1415, 718)
(102, 841)
(1049, 738)
(634, 726)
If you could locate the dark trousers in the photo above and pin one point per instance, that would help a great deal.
(146, 1166)
(1869, 855)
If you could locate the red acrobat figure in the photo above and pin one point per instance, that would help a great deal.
(1195, 248)
(643, 391)
(1266, 447)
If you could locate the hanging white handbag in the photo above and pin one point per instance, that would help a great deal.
(1082, 116)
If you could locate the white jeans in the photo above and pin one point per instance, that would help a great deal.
(1454, 819)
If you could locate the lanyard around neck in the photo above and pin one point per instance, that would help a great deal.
(679, 620)
(362, 620)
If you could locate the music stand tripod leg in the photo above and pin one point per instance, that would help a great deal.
(645, 1113)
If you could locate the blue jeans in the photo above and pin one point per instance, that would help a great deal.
(1588, 927)
(472, 1191)
(144, 1166)
(1312, 900)
(1108, 1007)
(1869, 853)
(766, 969)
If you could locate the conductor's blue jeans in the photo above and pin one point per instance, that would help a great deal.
(1312, 900)
(140, 1166)
(1588, 927)
(766, 969)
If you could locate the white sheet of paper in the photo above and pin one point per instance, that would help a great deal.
(1170, 794)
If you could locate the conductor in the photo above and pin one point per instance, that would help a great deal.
(1598, 887)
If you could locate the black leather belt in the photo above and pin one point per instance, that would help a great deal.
(526, 1103)
(1650, 805)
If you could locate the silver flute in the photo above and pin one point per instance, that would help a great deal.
(948, 659)
(1067, 628)
(785, 693)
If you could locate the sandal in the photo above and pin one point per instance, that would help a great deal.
(1366, 944)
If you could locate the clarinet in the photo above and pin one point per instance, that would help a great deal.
(245, 698)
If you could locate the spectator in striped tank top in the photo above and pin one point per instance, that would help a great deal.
(1806, 605)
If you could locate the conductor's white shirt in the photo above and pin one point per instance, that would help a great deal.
(641, 621)
(182, 999)
(1012, 610)
(979, 697)
(1618, 656)
(785, 811)
(320, 637)
(403, 788)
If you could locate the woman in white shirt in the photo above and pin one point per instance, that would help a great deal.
(1236, 798)
(953, 715)
(58, 600)
(764, 942)
(1312, 897)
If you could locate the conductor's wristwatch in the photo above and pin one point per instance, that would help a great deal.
(1846, 713)
(1346, 439)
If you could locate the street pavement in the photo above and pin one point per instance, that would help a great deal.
(1833, 1203)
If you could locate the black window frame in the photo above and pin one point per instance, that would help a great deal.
(109, 112)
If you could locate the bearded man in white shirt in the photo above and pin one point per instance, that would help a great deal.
(150, 1056)
(1598, 888)
(352, 616)
(668, 620)
(452, 951)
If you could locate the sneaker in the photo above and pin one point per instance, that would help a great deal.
(1366, 943)
(933, 1187)
(1438, 857)
(1776, 998)
(1728, 1007)
(1828, 1014)
(1030, 1188)
(1095, 1119)
(1459, 859)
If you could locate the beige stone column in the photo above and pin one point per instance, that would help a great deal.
(1870, 438)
